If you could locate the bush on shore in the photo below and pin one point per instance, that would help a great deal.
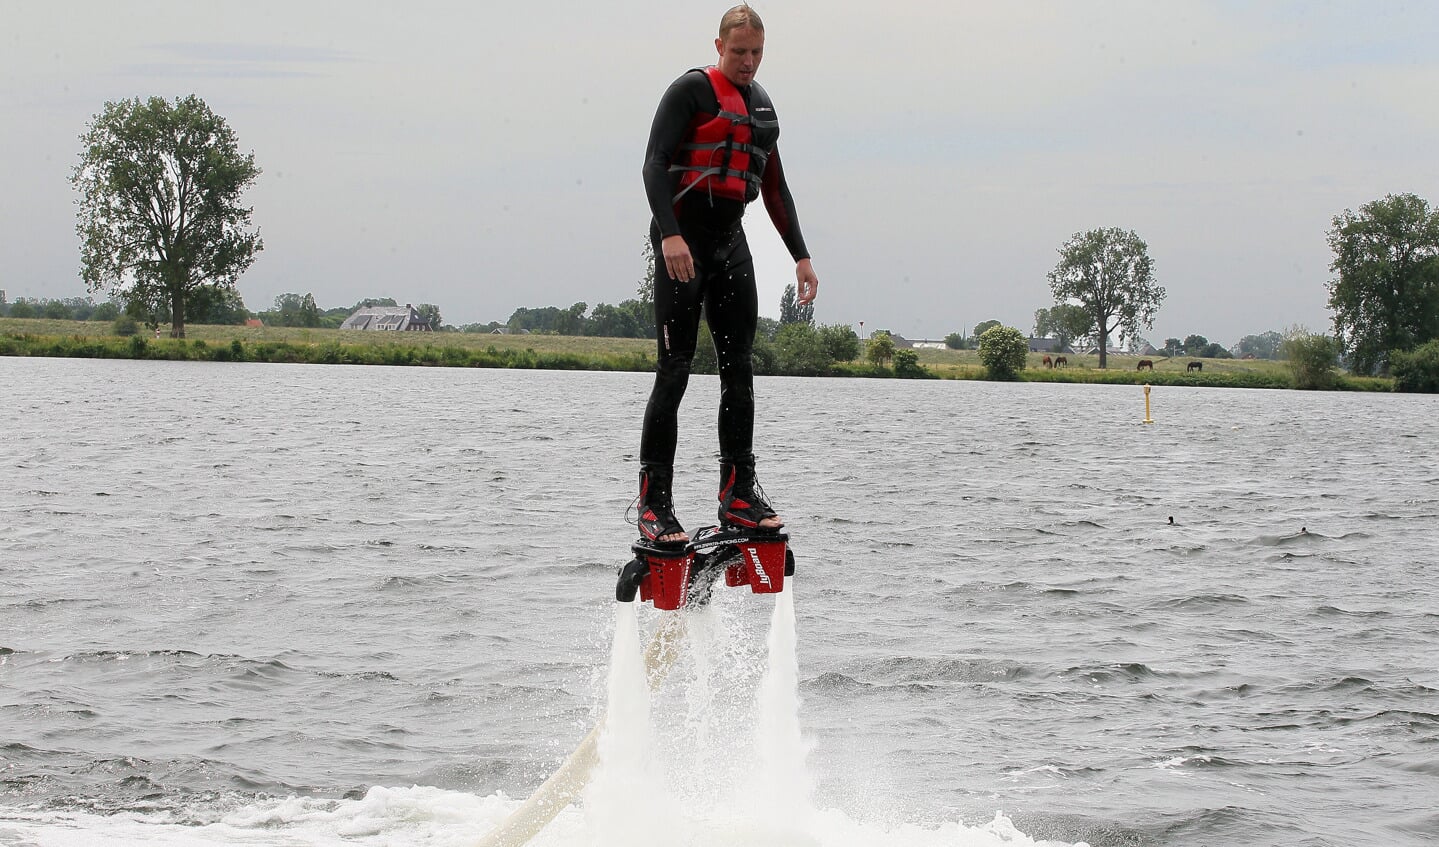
(1416, 370)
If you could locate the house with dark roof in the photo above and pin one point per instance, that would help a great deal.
(1048, 345)
(393, 318)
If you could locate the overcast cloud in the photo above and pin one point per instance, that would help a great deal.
(486, 156)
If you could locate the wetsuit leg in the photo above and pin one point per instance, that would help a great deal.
(732, 310)
(677, 316)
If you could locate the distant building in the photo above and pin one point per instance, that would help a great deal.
(254, 323)
(929, 344)
(393, 318)
(1048, 345)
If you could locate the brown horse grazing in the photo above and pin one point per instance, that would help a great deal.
(1145, 363)
(1194, 366)
(1048, 362)
(1060, 361)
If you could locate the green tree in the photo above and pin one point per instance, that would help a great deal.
(790, 312)
(880, 348)
(572, 320)
(1385, 295)
(800, 351)
(1263, 346)
(159, 211)
(765, 357)
(22, 309)
(1194, 345)
(107, 311)
(1173, 347)
(1063, 321)
(645, 293)
(985, 326)
(765, 327)
(907, 366)
(295, 310)
(1312, 359)
(1416, 370)
(841, 341)
(543, 319)
(1109, 272)
(642, 314)
(81, 308)
(612, 322)
(955, 341)
(431, 313)
(56, 311)
(210, 304)
(1003, 350)
(125, 326)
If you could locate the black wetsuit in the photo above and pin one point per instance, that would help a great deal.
(724, 279)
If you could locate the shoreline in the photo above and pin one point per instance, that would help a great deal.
(75, 339)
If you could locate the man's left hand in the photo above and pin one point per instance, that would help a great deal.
(808, 282)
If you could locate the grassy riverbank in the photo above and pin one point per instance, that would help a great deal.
(78, 339)
(82, 339)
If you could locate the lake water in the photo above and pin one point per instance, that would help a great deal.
(322, 605)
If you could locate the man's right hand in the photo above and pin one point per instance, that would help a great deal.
(678, 261)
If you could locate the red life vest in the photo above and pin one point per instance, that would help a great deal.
(717, 156)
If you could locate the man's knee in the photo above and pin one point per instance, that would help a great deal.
(673, 372)
(736, 370)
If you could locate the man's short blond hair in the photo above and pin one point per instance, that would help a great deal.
(739, 17)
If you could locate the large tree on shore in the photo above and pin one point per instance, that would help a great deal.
(159, 211)
(1109, 272)
(1385, 295)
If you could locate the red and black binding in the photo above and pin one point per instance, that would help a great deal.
(742, 501)
(656, 507)
(675, 578)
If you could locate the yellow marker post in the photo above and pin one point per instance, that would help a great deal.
(1147, 418)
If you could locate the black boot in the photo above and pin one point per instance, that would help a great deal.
(742, 501)
(656, 508)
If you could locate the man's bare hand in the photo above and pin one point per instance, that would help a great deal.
(678, 262)
(808, 282)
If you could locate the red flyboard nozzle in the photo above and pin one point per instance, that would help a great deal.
(763, 565)
(668, 581)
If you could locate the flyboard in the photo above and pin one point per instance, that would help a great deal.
(672, 577)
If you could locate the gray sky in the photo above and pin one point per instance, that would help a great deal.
(486, 156)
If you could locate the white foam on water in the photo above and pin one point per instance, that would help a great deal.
(727, 769)
(429, 817)
(629, 778)
(783, 783)
(384, 817)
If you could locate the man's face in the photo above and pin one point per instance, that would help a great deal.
(739, 54)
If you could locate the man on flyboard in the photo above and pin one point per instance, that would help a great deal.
(711, 151)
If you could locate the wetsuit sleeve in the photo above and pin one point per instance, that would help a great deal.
(677, 109)
(780, 205)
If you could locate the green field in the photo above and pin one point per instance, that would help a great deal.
(94, 339)
(582, 345)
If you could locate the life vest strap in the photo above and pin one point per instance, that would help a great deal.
(722, 173)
